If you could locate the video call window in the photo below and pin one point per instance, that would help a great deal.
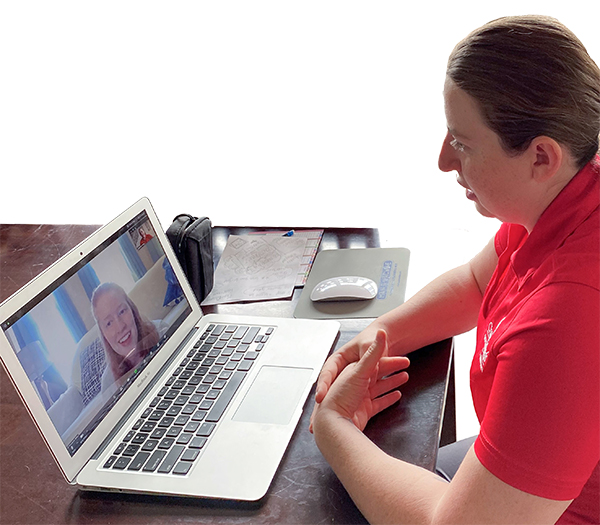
(82, 345)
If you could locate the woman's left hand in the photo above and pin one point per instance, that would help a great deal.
(365, 388)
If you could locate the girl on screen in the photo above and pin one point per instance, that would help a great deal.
(127, 336)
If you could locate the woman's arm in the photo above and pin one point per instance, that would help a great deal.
(447, 306)
(387, 490)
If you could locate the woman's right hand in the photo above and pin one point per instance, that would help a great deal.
(351, 352)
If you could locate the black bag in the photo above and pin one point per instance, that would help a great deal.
(191, 239)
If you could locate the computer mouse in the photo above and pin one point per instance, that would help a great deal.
(344, 288)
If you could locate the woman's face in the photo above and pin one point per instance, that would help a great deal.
(116, 321)
(493, 179)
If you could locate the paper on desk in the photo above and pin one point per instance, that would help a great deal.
(313, 239)
(257, 268)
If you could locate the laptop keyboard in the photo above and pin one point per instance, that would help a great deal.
(177, 424)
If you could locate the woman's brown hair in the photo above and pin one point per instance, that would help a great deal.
(532, 76)
(148, 335)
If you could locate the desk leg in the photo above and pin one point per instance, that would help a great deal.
(448, 434)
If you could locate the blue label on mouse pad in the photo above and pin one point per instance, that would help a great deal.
(389, 276)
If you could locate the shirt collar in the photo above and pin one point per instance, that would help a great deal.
(573, 205)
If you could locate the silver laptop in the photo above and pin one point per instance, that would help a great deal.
(135, 390)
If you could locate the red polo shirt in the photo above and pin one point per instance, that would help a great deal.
(535, 377)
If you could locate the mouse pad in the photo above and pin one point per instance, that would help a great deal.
(388, 267)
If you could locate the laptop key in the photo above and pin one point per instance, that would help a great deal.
(109, 463)
(139, 438)
(188, 409)
(166, 421)
(169, 462)
(164, 405)
(158, 433)
(205, 429)
(245, 365)
(174, 411)
(251, 335)
(131, 450)
(150, 445)
(198, 442)
(240, 332)
(218, 329)
(184, 438)
(182, 468)
(156, 415)
(148, 426)
(188, 390)
(196, 398)
(213, 394)
(206, 404)
(226, 396)
(199, 415)
(121, 463)
(190, 454)
(154, 460)
(166, 442)
(192, 426)
(174, 432)
(138, 461)
(181, 400)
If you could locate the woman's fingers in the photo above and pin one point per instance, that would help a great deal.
(369, 361)
(383, 402)
(390, 365)
(387, 384)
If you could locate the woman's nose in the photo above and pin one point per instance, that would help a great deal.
(448, 159)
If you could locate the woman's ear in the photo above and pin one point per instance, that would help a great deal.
(547, 158)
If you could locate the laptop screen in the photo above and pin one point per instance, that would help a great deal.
(83, 341)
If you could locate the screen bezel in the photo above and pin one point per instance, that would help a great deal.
(38, 288)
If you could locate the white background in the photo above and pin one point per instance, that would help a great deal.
(306, 113)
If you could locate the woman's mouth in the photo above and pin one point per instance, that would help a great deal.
(470, 194)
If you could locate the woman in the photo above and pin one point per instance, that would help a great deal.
(522, 103)
(126, 335)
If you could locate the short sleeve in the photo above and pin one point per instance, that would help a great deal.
(540, 430)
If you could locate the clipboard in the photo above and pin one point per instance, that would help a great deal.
(388, 267)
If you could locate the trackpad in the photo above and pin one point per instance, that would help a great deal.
(274, 395)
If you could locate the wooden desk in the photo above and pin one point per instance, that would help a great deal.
(304, 490)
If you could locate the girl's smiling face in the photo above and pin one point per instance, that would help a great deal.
(116, 321)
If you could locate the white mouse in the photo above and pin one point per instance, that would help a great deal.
(345, 288)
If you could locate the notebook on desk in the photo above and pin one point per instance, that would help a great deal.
(133, 389)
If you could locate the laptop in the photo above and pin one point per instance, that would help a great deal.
(134, 390)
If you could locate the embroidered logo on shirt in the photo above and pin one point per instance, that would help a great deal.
(486, 341)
